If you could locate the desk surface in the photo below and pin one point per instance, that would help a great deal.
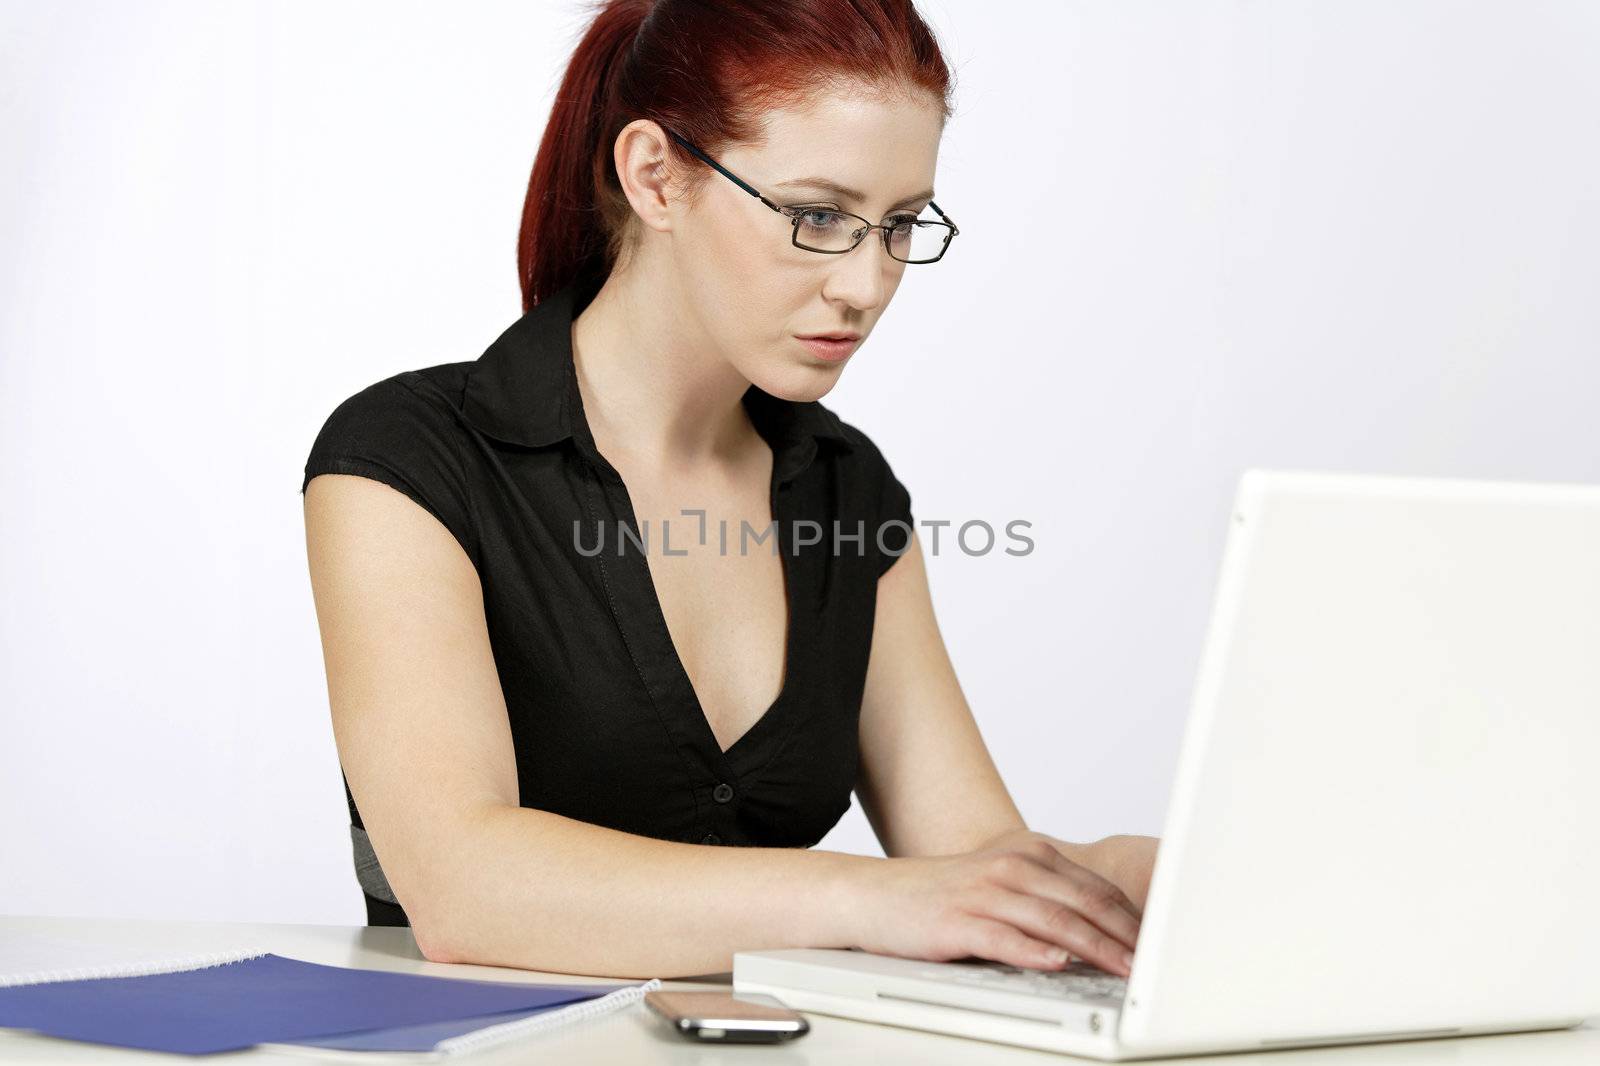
(635, 1035)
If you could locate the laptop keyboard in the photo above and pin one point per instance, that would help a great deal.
(1078, 980)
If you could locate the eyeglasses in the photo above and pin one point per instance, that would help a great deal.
(824, 228)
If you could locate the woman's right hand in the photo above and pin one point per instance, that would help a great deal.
(1023, 903)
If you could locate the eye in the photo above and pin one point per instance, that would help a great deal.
(895, 220)
(818, 217)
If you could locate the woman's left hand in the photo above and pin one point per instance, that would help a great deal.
(1126, 860)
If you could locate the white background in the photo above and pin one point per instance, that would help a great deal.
(1196, 237)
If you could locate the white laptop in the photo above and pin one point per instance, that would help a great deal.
(1385, 823)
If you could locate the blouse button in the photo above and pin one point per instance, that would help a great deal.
(722, 793)
(711, 838)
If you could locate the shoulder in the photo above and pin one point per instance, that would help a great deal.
(412, 417)
(879, 496)
(395, 406)
(405, 431)
(862, 454)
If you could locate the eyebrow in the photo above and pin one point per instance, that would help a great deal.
(848, 193)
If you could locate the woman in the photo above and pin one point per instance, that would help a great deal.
(574, 755)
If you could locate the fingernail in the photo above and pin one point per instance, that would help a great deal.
(1058, 955)
(1127, 959)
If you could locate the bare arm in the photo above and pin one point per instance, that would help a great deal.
(928, 785)
(422, 732)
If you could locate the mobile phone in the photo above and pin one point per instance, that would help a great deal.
(743, 1017)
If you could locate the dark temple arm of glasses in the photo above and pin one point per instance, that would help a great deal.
(731, 176)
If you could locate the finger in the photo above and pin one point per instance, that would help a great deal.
(1004, 942)
(1059, 923)
(1086, 892)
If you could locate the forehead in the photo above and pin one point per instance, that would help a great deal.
(886, 146)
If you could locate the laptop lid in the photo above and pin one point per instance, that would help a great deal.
(1386, 808)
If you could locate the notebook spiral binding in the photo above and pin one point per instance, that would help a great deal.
(132, 969)
(499, 1034)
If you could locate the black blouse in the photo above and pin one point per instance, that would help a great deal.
(606, 725)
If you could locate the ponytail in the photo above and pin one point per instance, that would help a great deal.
(563, 239)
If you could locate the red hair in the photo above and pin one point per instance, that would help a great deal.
(704, 69)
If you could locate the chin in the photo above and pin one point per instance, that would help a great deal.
(798, 381)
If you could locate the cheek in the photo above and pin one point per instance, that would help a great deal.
(725, 247)
(748, 281)
(743, 247)
(721, 268)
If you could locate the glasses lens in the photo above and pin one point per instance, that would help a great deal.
(918, 241)
(822, 230)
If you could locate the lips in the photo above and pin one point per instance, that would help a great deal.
(832, 349)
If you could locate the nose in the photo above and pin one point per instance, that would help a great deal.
(857, 276)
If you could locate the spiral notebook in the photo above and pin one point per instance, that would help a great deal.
(225, 1001)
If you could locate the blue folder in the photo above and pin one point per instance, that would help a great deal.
(273, 999)
(424, 1037)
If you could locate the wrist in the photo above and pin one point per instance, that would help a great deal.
(1084, 855)
(837, 899)
(1127, 861)
(997, 836)
(1100, 856)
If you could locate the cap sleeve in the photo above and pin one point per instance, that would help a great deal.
(397, 434)
(896, 522)
(889, 536)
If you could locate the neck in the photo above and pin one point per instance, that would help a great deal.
(653, 393)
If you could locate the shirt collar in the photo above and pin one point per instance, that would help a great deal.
(524, 390)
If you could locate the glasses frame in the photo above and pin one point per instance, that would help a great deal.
(794, 213)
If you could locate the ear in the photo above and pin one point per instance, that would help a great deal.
(641, 158)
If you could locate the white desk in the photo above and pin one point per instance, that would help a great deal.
(636, 1035)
